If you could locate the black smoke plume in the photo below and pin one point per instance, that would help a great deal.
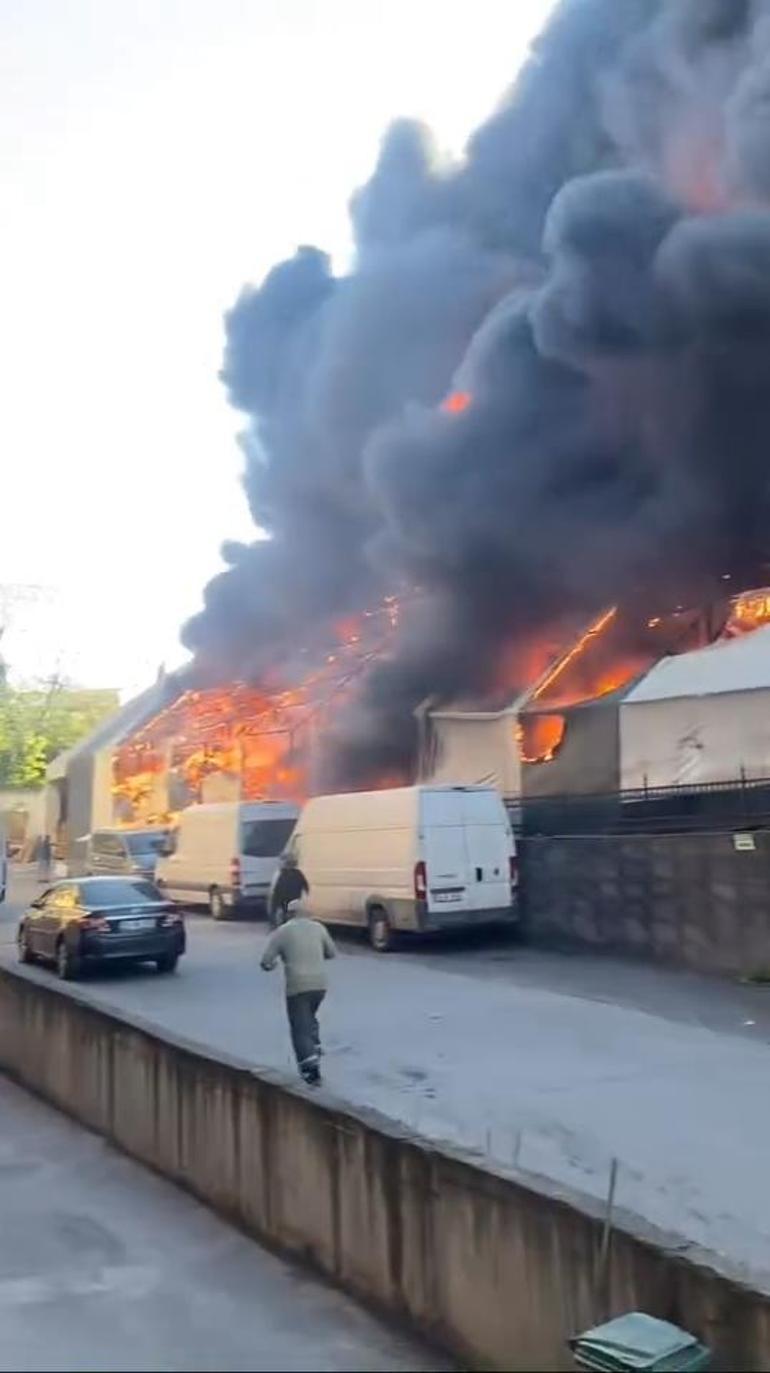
(595, 273)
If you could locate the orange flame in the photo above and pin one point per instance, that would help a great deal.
(244, 741)
(749, 611)
(539, 737)
(560, 668)
(456, 402)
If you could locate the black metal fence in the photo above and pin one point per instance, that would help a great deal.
(741, 804)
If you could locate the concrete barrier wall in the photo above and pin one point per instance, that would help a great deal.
(691, 900)
(498, 1269)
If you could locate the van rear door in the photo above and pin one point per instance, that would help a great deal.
(442, 823)
(489, 847)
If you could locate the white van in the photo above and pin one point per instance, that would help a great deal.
(411, 858)
(225, 854)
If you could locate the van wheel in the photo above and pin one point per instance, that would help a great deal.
(380, 932)
(217, 907)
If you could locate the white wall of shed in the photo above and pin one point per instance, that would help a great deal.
(695, 739)
(481, 750)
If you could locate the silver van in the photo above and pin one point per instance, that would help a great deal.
(124, 851)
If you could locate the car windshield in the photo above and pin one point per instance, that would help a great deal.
(266, 838)
(117, 891)
(146, 843)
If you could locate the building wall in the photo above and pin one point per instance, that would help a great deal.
(695, 739)
(102, 804)
(480, 750)
(587, 760)
(24, 814)
(693, 900)
(80, 787)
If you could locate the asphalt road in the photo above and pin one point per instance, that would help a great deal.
(555, 1063)
(105, 1266)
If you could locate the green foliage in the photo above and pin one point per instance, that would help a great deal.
(35, 726)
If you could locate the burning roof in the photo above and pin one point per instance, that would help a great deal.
(601, 662)
(250, 742)
(254, 742)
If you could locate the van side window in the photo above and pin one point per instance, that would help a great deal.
(265, 838)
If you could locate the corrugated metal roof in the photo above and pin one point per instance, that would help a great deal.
(741, 664)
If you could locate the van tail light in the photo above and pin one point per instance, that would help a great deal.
(420, 881)
(235, 874)
(514, 868)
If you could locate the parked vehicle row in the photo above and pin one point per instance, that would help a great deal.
(404, 860)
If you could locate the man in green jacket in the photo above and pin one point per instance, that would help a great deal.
(303, 945)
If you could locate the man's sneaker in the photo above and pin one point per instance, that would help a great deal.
(310, 1070)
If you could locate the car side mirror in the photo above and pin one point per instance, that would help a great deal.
(37, 904)
(167, 848)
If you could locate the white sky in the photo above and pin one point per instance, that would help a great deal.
(154, 155)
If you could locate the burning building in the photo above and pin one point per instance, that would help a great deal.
(247, 742)
(675, 700)
(541, 389)
(178, 744)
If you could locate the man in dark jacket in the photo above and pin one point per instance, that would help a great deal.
(289, 884)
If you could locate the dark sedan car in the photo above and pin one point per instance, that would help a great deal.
(98, 920)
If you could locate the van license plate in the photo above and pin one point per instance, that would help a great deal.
(447, 895)
(145, 924)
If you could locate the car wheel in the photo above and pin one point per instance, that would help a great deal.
(25, 953)
(167, 963)
(380, 931)
(67, 964)
(219, 911)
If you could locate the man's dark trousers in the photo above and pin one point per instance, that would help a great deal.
(303, 1023)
